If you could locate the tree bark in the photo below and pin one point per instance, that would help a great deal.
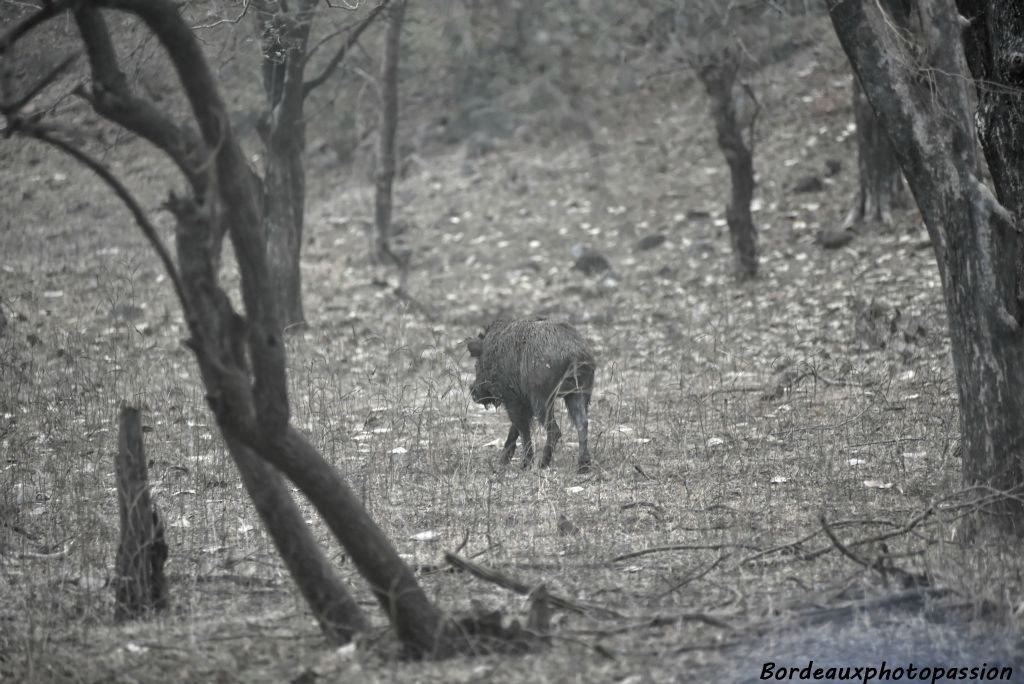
(386, 136)
(285, 35)
(140, 586)
(995, 56)
(917, 87)
(879, 178)
(718, 74)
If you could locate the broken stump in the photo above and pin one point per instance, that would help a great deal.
(140, 586)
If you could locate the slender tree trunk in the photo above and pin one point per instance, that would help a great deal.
(917, 87)
(285, 35)
(388, 128)
(718, 74)
(284, 186)
(879, 178)
(339, 616)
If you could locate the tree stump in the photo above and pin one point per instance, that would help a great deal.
(139, 586)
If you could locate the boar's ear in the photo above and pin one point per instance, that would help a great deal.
(475, 346)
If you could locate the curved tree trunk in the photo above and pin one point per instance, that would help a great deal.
(328, 598)
(242, 360)
(339, 616)
(718, 74)
(917, 88)
(879, 178)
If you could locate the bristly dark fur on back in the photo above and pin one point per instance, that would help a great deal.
(526, 365)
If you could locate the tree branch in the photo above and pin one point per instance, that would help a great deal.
(39, 132)
(111, 98)
(238, 190)
(352, 39)
(7, 109)
(49, 10)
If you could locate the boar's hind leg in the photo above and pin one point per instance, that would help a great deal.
(553, 435)
(509, 450)
(576, 404)
(520, 418)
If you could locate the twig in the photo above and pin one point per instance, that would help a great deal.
(8, 109)
(882, 442)
(781, 547)
(138, 213)
(46, 12)
(53, 555)
(352, 39)
(235, 20)
(465, 540)
(680, 547)
(823, 426)
(741, 389)
(692, 577)
(657, 621)
(901, 530)
(514, 585)
(654, 509)
(906, 579)
(843, 549)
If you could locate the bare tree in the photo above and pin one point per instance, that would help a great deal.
(284, 29)
(336, 611)
(385, 176)
(707, 39)
(718, 71)
(241, 359)
(284, 32)
(914, 78)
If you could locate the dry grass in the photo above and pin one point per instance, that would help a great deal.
(690, 455)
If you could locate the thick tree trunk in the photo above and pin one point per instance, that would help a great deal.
(718, 74)
(995, 56)
(285, 35)
(878, 173)
(976, 240)
(140, 586)
(386, 135)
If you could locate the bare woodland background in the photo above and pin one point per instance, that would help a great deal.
(779, 454)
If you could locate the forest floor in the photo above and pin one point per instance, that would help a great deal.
(736, 426)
